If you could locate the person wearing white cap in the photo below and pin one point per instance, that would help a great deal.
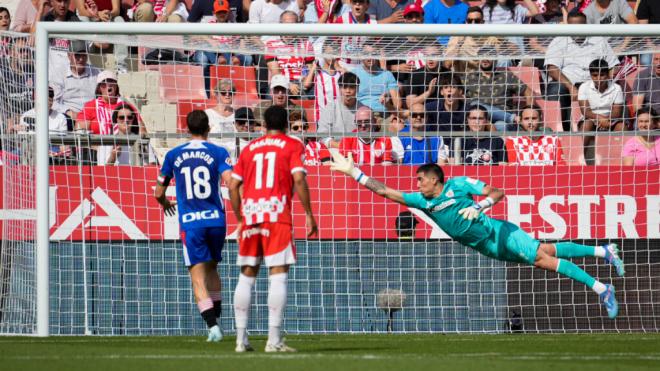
(279, 91)
(96, 115)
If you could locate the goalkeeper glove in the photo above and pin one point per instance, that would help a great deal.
(346, 166)
(473, 211)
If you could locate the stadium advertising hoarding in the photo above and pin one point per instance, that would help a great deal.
(116, 203)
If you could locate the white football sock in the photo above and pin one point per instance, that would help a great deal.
(242, 298)
(276, 303)
(599, 287)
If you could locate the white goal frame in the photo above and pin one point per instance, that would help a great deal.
(47, 29)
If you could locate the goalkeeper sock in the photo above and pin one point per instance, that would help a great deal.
(206, 310)
(574, 250)
(276, 303)
(242, 298)
(217, 302)
(572, 271)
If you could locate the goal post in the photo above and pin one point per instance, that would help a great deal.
(132, 34)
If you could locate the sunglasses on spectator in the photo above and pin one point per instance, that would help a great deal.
(474, 20)
(227, 92)
(298, 127)
(123, 117)
(363, 122)
(417, 115)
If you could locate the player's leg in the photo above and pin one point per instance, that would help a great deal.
(215, 238)
(200, 263)
(279, 254)
(545, 259)
(609, 252)
(242, 302)
(250, 253)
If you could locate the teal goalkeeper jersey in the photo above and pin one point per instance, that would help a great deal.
(456, 195)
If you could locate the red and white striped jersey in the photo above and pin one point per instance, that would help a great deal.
(545, 150)
(316, 153)
(351, 44)
(326, 89)
(377, 152)
(266, 167)
(416, 58)
(290, 57)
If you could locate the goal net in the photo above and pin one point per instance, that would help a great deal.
(571, 161)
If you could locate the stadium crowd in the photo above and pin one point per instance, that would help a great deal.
(436, 89)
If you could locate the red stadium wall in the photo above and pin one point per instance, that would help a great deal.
(116, 203)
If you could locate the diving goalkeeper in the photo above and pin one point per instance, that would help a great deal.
(449, 204)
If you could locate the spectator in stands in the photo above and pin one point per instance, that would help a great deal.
(393, 124)
(405, 224)
(377, 86)
(535, 148)
(203, 11)
(105, 11)
(424, 83)
(290, 56)
(448, 113)
(648, 12)
(57, 124)
(96, 115)
(469, 46)
(445, 12)
(125, 121)
(171, 11)
(77, 85)
(279, 91)
(25, 14)
(567, 61)
(354, 44)
(339, 115)
(244, 122)
(644, 149)
(17, 81)
(375, 149)
(496, 92)
(555, 12)
(323, 77)
(316, 153)
(419, 150)
(269, 11)
(646, 88)
(388, 11)
(479, 151)
(221, 117)
(508, 12)
(601, 103)
(5, 19)
(416, 58)
(609, 12)
(206, 59)
(57, 11)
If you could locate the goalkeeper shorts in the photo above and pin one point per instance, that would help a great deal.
(271, 243)
(202, 245)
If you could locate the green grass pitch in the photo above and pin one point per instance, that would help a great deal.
(338, 352)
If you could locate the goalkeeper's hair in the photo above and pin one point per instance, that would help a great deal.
(198, 122)
(433, 169)
(276, 118)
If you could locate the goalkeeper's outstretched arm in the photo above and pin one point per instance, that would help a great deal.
(346, 166)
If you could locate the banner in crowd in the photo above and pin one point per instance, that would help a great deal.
(116, 203)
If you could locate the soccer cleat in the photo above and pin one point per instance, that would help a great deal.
(215, 334)
(279, 348)
(612, 257)
(609, 301)
(242, 348)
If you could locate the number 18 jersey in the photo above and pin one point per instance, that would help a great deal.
(196, 167)
(266, 167)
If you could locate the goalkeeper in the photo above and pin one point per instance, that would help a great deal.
(451, 207)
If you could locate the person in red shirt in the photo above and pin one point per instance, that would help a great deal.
(269, 169)
(370, 150)
(534, 148)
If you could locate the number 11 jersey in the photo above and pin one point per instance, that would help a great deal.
(266, 167)
(196, 167)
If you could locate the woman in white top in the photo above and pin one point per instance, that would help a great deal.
(221, 117)
(125, 120)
